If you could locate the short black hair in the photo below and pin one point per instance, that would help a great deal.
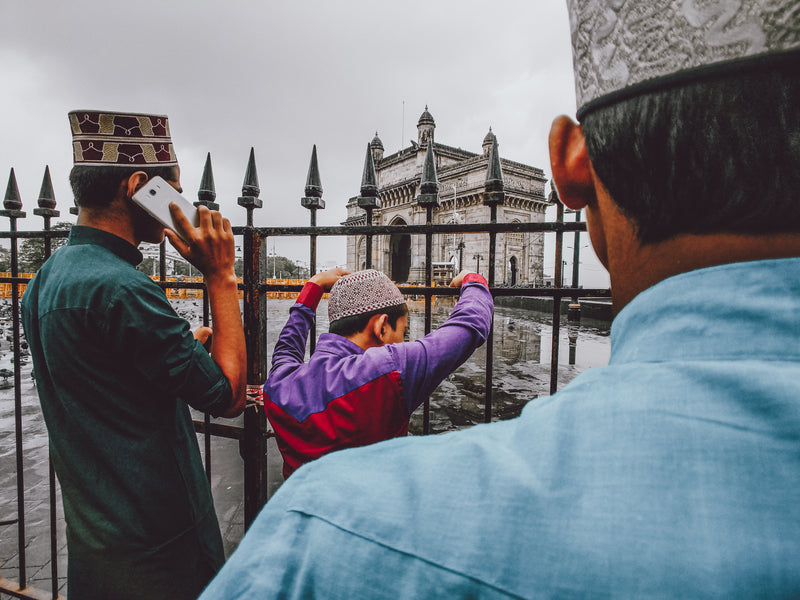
(347, 326)
(716, 156)
(96, 186)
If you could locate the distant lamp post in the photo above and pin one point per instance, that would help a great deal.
(477, 257)
(461, 247)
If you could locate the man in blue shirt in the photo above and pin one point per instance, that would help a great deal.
(116, 369)
(674, 472)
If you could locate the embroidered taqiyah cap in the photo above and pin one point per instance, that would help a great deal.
(623, 48)
(362, 292)
(103, 138)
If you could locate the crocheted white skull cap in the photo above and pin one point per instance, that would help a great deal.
(623, 48)
(362, 292)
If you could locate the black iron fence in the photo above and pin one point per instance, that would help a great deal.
(253, 432)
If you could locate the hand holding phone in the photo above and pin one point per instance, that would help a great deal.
(154, 197)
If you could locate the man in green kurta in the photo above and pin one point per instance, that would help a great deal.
(117, 368)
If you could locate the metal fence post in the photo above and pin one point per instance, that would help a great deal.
(206, 194)
(253, 445)
(47, 210)
(493, 196)
(12, 206)
(313, 201)
(559, 283)
(429, 199)
(368, 200)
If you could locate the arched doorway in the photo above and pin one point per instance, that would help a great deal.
(513, 265)
(361, 253)
(399, 254)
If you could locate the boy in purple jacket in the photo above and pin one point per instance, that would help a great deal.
(363, 382)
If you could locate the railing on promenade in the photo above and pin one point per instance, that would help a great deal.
(256, 290)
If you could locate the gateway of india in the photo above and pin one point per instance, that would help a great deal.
(462, 176)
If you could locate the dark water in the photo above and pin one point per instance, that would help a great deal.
(521, 375)
(521, 367)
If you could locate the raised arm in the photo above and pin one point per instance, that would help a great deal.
(211, 249)
(290, 348)
(424, 363)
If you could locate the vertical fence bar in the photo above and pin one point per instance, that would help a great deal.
(206, 195)
(312, 266)
(426, 408)
(313, 201)
(558, 274)
(493, 196)
(428, 198)
(253, 445)
(487, 407)
(576, 252)
(368, 200)
(12, 206)
(46, 210)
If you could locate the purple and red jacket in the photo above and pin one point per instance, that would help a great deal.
(346, 396)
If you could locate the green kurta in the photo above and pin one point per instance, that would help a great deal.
(115, 368)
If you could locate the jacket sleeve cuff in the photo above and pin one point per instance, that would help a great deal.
(474, 277)
(310, 295)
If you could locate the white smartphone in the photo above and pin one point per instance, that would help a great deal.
(154, 197)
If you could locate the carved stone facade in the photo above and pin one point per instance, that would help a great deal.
(462, 175)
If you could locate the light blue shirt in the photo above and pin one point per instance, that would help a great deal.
(674, 472)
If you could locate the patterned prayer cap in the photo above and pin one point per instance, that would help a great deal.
(362, 292)
(623, 48)
(121, 139)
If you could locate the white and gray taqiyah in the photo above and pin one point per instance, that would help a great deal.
(624, 48)
(362, 292)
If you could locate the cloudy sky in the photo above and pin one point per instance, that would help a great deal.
(280, 77)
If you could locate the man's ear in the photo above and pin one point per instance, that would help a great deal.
(134, 183)
(570, 163)
(379, 325)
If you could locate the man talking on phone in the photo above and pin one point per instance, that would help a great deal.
(117, 368)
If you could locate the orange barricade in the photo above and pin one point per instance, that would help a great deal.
(175, 293)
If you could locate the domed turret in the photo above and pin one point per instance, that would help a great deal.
(488, 141)
(425, 127)
(377, 148)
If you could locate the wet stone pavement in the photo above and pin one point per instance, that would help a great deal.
(521, 375)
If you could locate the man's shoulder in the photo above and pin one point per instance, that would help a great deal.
(91, 274)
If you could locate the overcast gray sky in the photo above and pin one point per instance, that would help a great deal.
(281, 77)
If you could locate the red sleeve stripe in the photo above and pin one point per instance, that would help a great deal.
(310, 295)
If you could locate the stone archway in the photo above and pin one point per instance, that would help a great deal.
(361, 253)
(513, 265)
(399, 254)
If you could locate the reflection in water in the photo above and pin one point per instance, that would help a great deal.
(521, 365)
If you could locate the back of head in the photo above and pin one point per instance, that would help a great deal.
(691, 121)
(108, 147)
(356, 297)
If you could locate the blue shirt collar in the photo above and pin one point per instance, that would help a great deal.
(696, 315)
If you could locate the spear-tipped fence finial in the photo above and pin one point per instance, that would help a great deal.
(47, 199)
(313, 197)
(369, 184)
(250, 188)
(552, 197)
(12, 203)
(494, 191)
(429, 182)
(207, 192)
